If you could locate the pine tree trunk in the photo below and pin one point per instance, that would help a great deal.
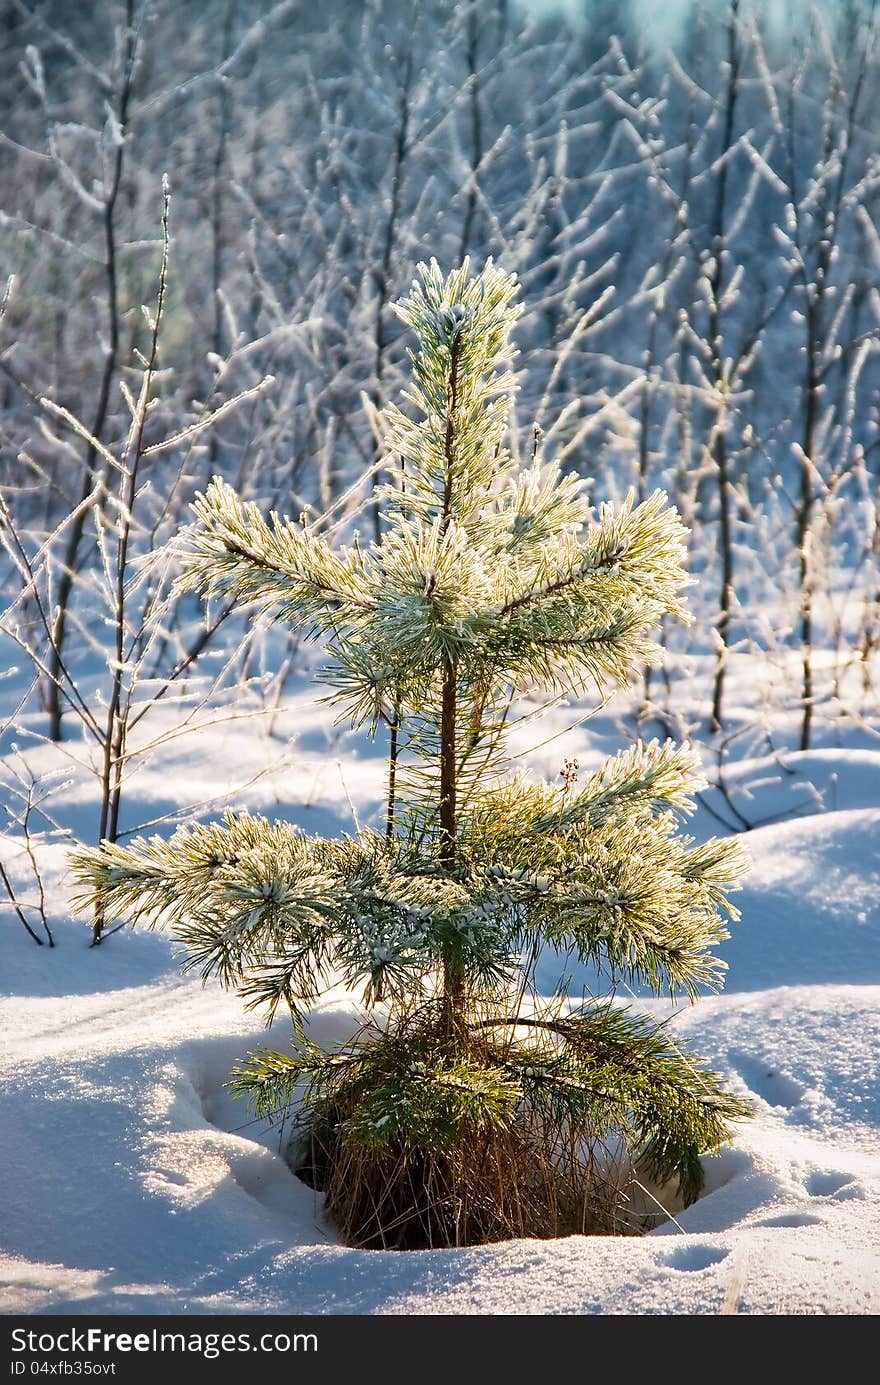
(453, 973)
(453, 970)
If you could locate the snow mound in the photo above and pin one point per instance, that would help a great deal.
(133, 1183)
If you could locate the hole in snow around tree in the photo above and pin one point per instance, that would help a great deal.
(208, 1065)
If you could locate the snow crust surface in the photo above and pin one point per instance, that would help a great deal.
(132, 1183)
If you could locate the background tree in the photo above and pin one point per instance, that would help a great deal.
(313, 155)
(139, 609)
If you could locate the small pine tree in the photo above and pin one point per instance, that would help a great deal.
(469, 1109)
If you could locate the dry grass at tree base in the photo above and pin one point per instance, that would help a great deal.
(475, 1182)
(489, 1187)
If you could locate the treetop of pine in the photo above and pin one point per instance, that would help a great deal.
(505, 569)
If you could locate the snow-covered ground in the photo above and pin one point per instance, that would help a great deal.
(132, 1183)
